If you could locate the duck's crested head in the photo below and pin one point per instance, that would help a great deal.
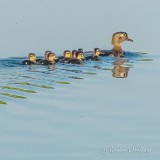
(120, 37)
(32, 57)
(79, 55)
(51, 57)
(46, 54)
(67, 54)
(96, 52)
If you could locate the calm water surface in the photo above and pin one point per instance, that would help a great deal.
(81, 112)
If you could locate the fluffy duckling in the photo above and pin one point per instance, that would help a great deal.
(31, 59)
(117, 39)
(66, 56)
(50, 59)
(94, 56)
(78, 60)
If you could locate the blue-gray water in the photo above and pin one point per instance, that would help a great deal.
(80, 112)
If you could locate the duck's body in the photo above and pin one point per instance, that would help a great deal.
(109, 53)
(31, 59)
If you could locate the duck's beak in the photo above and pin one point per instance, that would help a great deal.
(128, 39)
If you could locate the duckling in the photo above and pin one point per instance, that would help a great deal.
(78, 59)
(117, 39)
(50, 59)
(31, 59)
(66, 56)
(94, 56)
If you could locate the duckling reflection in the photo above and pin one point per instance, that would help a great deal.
(118, 70)
(51, 67)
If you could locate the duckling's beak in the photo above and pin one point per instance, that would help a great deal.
(128, 39)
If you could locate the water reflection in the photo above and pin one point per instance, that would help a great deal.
(20, 82)
(119, 71)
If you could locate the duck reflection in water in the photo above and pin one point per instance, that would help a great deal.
(118, 70)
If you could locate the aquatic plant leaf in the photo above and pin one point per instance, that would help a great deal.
(11, 95)
(89, 73)
(61, 82)
(146, 59)
(34, 85)
(18, 89)
(73, 77)
(141, 52)
(3, 102)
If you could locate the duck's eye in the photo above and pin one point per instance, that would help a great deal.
(124, 34)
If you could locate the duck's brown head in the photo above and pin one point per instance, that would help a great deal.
(79, 55)
(120, 37)
(67, 54)
(32, 57)
(96, 52)
(51, 57)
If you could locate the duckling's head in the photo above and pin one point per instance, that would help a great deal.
(67, 54)
(46, 54)
(120, 37)
(96, 52)
(79, 55)
(32, 57)
(51, 57)
(74, 54)
(80, 49)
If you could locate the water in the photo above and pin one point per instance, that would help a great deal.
(80, 112)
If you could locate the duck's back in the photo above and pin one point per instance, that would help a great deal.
(108, 53)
